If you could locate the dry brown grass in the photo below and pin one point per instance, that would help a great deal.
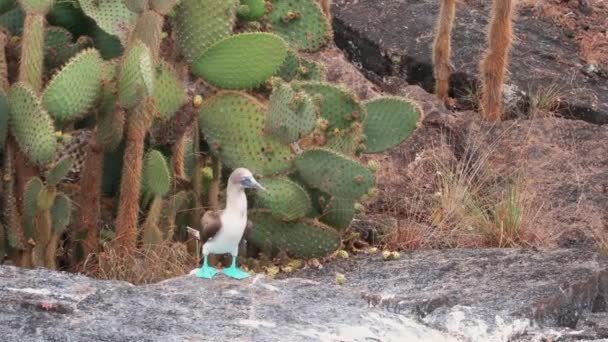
(142, 266)
(470, 207)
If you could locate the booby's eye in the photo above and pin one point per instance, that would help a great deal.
(246, 182)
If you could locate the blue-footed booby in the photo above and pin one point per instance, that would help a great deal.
(223, 229)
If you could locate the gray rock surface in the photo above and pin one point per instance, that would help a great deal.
(394, 38)
(452, 295)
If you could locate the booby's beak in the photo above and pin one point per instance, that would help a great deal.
(250, 182)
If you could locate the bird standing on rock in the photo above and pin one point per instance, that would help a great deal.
(223, 229)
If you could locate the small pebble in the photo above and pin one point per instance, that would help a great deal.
(340, 278)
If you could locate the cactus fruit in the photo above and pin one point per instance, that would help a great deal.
(59, 171)
(291, 114)
(252, 10)
(66, 102)
(156, 176)
(304, 238)
(136, 76)
(337, 105)
(339, 213)
(4, 118)
(112, 16)
(36, 6)
(232, 124)
(228, 63)
(301, 23)
(31, 125)
(13, 20)
(201, 23)
(169, 93)
(61, 213)
(285, 198)
(333, 173)
(388, 122)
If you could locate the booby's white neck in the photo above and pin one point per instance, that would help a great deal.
(236, 201)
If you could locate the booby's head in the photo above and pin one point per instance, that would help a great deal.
(244, 179)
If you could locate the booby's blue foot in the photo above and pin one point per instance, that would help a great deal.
(235, 272)
(206, 271)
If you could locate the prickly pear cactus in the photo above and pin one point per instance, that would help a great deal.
(302, 23)
(291, 115)
(389, 121)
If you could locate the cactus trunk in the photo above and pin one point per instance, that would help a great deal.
(130, 184)
(442, 48)
(494, 64)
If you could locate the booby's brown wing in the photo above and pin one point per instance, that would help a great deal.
(211, 224)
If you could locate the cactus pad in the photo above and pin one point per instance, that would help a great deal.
(156, 175)
(255, 9)
(137, 6)
(169, 92)
(311, 70)
(149, 29)
(337, 105)
(389, 121)
(339, 213)
(61, 213)
(4, 117)
(12, 20)
(75, 88)
(135, 79)
(241, 61)
(58, 46)
(304, 238)
(348, 141)
(108, 45)
(31, 125)
(301, 23)
(334, 173)
(232, 123)
(291, 115)
(57, 173)
(291, 64)
(201, 23)
(30, 205)
(36, 6)
(285, 198)
(112, 16)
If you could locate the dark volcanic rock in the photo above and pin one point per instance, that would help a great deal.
(394, 38)
(452, 295)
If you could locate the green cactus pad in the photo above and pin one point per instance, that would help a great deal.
(59, 48)
(135, 80)
(339, 213)
(162, 7)
(75, 88)
(255, 9)
(232, 123)
(57, 173)
(230, 62)
(110, 118)
(108, 45)
(334, 173)
(4, 118)
(346, 141)
(32, 51)
(61, 213)
(112, 16)
(304, 238)
(156, 176)
(45, 198)
(301, 23)
(169, 92)
(36, 6)
(137, 6)
(30, 205)
(285, 198)
(291, 115)
(289, 69)
(149, 29)
(337, 105)
(389, 121)
(310, 70)
(13, 20)
(31, 125)
(201, 23)
(7, 5)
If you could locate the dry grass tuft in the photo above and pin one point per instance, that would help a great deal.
(470, 207)
(144, 265)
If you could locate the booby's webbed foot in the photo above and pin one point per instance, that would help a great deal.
(206, 271)
(236, 273)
